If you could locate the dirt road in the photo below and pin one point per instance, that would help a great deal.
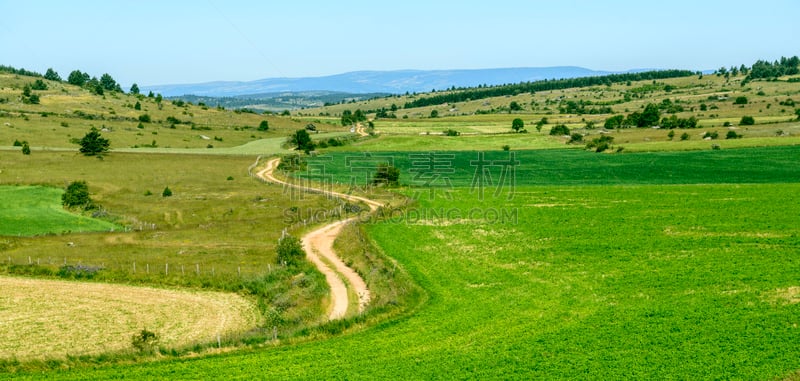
(318, 245)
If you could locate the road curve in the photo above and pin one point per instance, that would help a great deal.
(318, 245)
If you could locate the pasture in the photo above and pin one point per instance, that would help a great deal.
(443, 169)
(217, 232)
(36, 210)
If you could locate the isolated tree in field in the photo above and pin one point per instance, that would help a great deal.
(747, 121)
(302, 141)
(137, 106)
(434, 113)
(26, 149)
(52, 75)
(540, 123)
(517, 124)
(93, 144)
(740, 101)
(386, 174)
(347, 118)
(166, 192)
(263, 126)
(650, 116)
(514, 106)
(76, 194)
(134, 89)
(290, 251)
(614, 122)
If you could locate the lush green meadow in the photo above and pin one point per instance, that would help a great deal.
(35, 210)
(620, 281)
(444, 169)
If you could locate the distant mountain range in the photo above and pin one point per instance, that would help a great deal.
(393, 82)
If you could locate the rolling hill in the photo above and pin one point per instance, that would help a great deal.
(395, 82)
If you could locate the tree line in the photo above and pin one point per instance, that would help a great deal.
(78, 78)
(543, 85)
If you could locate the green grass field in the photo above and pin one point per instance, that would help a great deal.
(620, 281)
(567, 167)
(36, 210)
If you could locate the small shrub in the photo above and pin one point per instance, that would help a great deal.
(559, 129)
(263, 126)
(386, 174)
(148, 193)
(145, 341)
(451, 132)
(290, 251)
(732, 135)
(230, 178)
(575, 138)
(741, 100)
(671, 134)
(747, 121)
(145, 118)
(166, 192)
(506, 147)
(77, 194)
(26, 149)
(715, 147)
(712, 135)
(600, 144)
(684, 136)
(78, 272)
(726, 124)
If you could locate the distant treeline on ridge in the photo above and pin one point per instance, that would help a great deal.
(543, 85)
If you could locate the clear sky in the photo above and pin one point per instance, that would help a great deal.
(166, 42)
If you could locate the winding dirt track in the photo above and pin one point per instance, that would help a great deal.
(318, 245)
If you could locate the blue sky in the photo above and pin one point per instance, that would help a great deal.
(164, 42)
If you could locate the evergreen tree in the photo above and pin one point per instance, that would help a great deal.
(108, 83)
(52, 75)
(77, 78)
(93, 144)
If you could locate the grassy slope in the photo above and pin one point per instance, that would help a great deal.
(218, 220)
(66, 112)
(715, 93)
(689, 288)
(37, 210)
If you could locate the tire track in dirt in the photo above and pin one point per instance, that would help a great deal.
(318, 245)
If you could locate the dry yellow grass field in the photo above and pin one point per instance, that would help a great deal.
(51, 319)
